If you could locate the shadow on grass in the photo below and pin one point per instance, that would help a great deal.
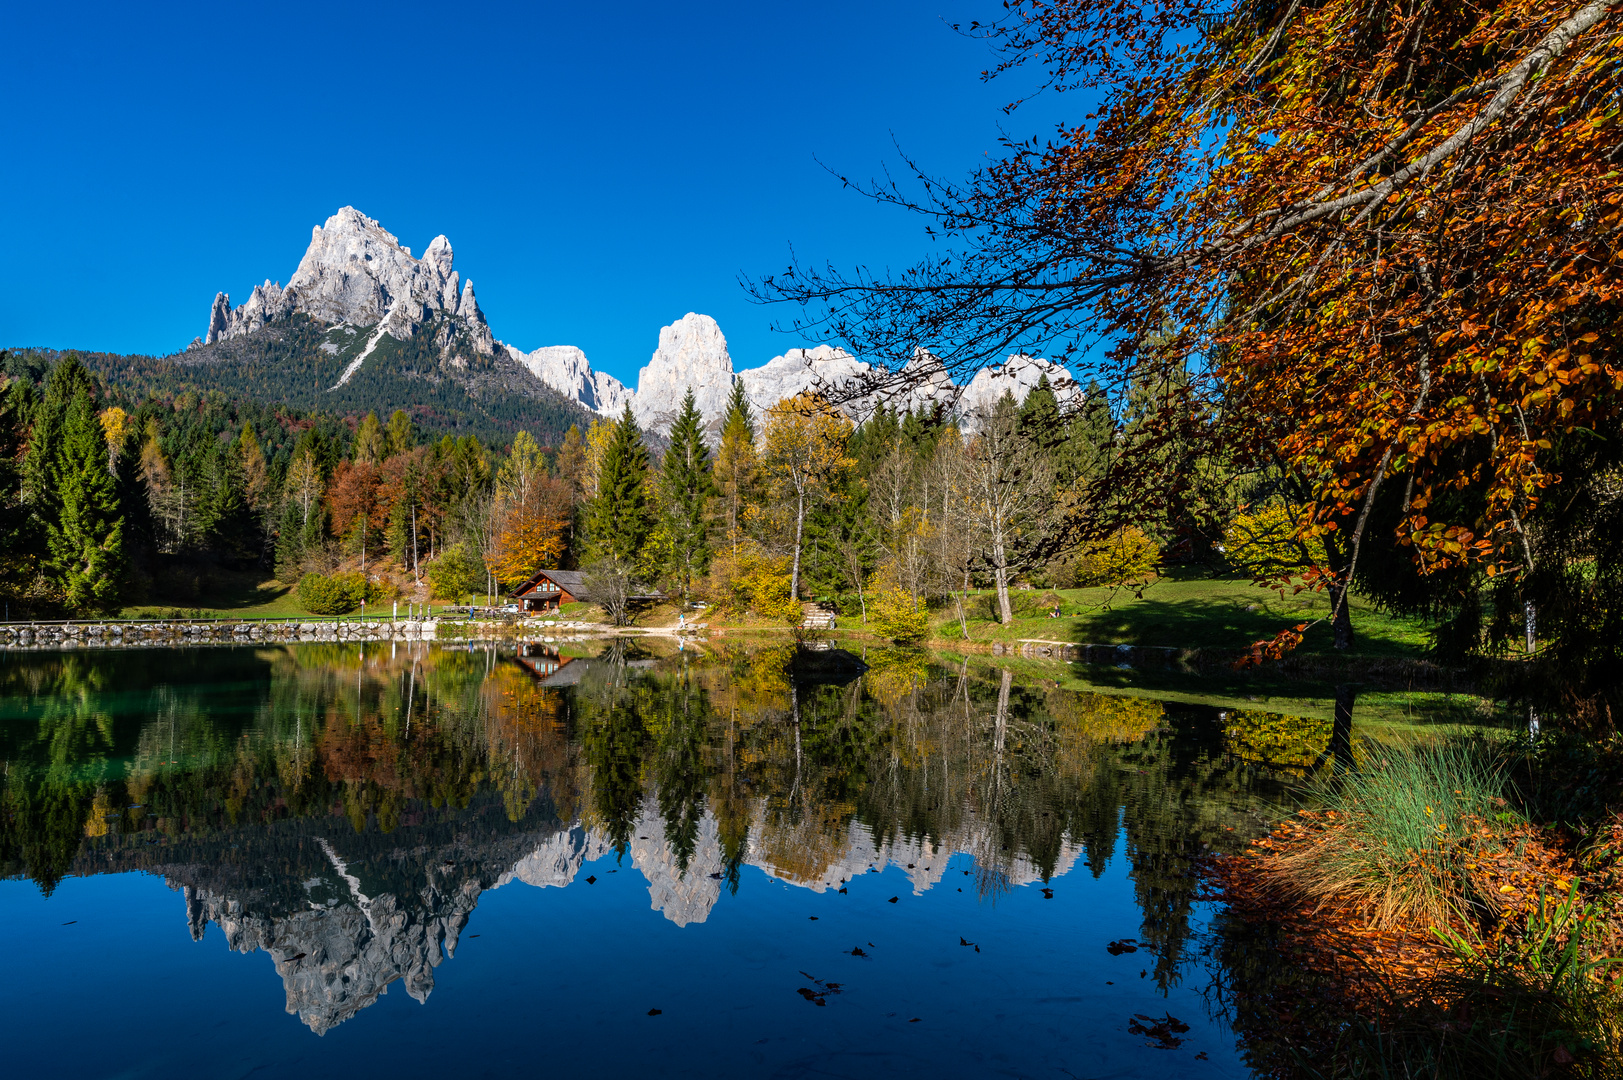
(1298, 696)
(217, 588)
(1193, 623)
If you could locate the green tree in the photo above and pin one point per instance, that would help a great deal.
(402, 433)
(736, 466)
(370, 446)
(223, 516)
(685, 487)
(619, 520)
(86, 539)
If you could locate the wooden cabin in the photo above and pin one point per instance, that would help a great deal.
(549, 667)
(549, 588)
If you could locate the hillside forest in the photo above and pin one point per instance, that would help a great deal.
(108, 502)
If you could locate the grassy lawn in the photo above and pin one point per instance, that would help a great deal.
(215, 592)
(1184, 609)
(1389, 713)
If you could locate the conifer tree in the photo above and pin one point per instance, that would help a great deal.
(401, 435)
(255, 473)
(17, 538)
(369, 441)
(571, 462)
(738, 405)
(618, 522)
(685, 487)
(86, 539)
(736, 466)
(223, 516)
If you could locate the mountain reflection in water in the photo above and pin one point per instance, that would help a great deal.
(345, 810)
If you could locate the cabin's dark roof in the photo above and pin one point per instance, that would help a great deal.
(571, 581)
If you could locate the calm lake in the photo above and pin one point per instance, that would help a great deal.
(324, 860)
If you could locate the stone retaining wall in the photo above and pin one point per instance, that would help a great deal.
(103, 635)
(1134, 655)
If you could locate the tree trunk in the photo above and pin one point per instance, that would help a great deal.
(1001, 573)
(1341, 625)
(963, 601)
(800, 523)
(416, 576)
(1341, 728)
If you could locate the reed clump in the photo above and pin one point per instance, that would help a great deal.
(1403, 836)
(1536, 1002)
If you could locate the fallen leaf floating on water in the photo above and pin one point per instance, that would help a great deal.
(1125, 945)
(1202, 1056)
(718, 877)
(1048, 894)
(916, 1020)
(856, 950)
(472, 936)
(892, 900)
(813, 918)
(842, 890)
(70, 922)
(591, 880)
(823, 989)
(1165, 1030)
(962, 941)
(655, 1012)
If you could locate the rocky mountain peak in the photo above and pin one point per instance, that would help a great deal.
(358, 273)
(692, 353)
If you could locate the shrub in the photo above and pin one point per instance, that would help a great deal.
(457, 572)
(1263, 543)
(1033, 604)
(1410, 822)
(1129, 556)
(337, 594)
(892, 614)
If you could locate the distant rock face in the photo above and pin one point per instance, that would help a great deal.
(566, 369)
(1019, 375)
(336, 960)
(556, 861)
(356, 272)
(692, 354)
(819, 368)
(683, 894)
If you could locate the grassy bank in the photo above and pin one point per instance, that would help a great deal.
(1443, 910)
(1184, 609)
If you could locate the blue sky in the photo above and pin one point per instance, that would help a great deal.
(599, 170)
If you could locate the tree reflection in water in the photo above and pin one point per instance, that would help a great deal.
(343, 809)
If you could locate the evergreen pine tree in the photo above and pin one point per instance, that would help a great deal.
(1039, 416)
(86, 539)
(370, 445)
(735, 467)
(290, 543)
(18, 537)
(401, 434)
(738, 405)
(685, 488)
(1092, 434)
(223, 518)
(618, 522)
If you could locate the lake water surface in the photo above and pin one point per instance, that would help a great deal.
(324, 860)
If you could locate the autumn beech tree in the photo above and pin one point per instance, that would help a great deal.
(1382, 238)
(804, 453)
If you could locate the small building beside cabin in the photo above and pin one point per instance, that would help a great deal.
(547, 589)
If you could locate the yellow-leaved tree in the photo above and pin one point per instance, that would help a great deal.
(530, 514)
(805, 440)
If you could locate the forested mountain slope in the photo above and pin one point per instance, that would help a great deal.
(296, 363)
